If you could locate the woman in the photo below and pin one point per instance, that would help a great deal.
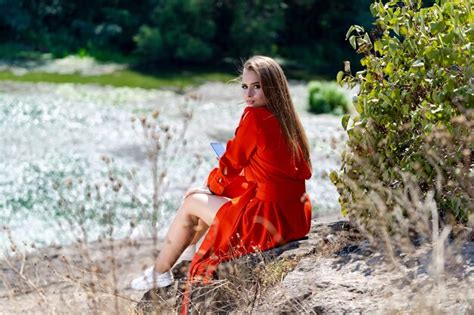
(256, 198)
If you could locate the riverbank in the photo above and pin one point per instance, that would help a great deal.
(56, 135)
(87, 70)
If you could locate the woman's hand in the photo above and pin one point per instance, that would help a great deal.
(197, 190)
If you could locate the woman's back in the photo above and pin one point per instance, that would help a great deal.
(272, 160)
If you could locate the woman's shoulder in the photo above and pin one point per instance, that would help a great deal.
(262, 120)
(259, 113)
(257, 109)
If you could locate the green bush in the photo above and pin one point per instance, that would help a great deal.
(308, 34)
(179, 31)
(255, 28)
(314, 33)
(327, 97)
(415, 110)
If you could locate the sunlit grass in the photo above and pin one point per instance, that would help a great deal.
(128, 78)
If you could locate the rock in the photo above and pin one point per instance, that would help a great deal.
(238, 281)
(344, 275)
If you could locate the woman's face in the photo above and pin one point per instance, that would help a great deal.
(252, 89)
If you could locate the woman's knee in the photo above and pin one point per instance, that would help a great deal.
(190, 202)
(190, 207)
(198, 205)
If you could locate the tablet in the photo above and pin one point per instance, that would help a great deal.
(219, 148)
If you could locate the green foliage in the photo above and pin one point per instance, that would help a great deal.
(63, 27)
(308, 34)
(179, 31)
(255, 27)
(314, 35)
(11, 50)
(150, 43)
(14, 17)
(327, 97)
(415, 106)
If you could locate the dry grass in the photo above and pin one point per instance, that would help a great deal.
(406, 224)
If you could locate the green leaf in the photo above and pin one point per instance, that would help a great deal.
(339, 77)
(352, 41)
(358, 107)
(343, 211)
(436, 27)
(345, 121)
(378, 47)
(368, 77)
(396, 29)
(333, 177)
(349, 31)
(389, 68)
(367, 39)
(449, 37)
(403, 31)
(374, 8)
(386, 99)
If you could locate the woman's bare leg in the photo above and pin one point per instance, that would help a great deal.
(200, 229)
(183, 228)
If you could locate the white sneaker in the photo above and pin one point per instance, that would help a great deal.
(146, 281)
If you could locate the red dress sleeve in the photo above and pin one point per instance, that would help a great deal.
(237, 155)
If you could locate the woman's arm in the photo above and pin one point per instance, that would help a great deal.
(240, 148)
(197, 190)
(237, 155)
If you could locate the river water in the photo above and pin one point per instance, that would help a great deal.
(56, 188)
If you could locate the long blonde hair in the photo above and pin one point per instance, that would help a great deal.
(275, 88)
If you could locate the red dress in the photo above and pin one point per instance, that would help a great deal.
(269, 205)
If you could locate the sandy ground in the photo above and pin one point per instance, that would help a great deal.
(76, 279)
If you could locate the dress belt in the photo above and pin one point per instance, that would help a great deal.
(281, 191)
